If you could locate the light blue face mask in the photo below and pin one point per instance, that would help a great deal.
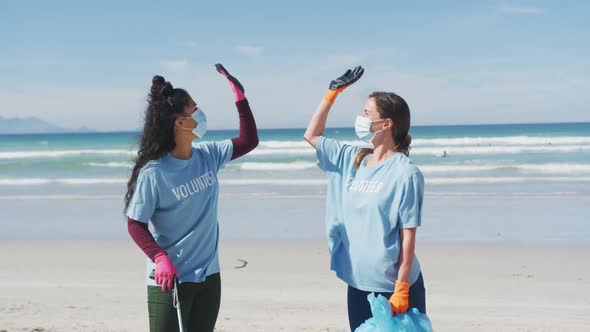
(201, 120)
(362, 127)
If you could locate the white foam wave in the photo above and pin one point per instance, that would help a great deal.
(110, 165)
(319, 195)
(67, 181)
(430, 146)
(499, 180)
(532, 168)
(282, 152)
(62, 153)
(441, 180)
(488, 150)
(294, 182)
(283, 144)
(299, 144)
(509, 140)
(551, 168)
(459, 141)
(439, 151)
(294, 166)
(287, 182)
(59, 197)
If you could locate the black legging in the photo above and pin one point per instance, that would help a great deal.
(359, 309)
(199, 306)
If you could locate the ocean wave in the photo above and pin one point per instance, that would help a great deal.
(294, 195)
(62, 153)
(299, 144)
(66, 181)
(294, 166)
(282, 152)
(459, 141)
(285, 182)
(439, 151)
(434, 146)
(295, 182)
(554, 168)
(502, 180)
(500, 168)
(489, 150)
(110, 165)
(509, 140)
(530, 168)
(95, 181)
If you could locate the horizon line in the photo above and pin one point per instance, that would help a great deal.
(92, 131)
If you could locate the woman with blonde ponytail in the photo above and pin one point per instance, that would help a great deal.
(374, 202)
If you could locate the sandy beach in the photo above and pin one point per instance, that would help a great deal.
(287, 286)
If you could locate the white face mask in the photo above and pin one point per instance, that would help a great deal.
(362, 126)
(201, 120)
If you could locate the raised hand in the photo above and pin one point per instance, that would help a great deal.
(234, 83)
(338, 85)
(346, 80)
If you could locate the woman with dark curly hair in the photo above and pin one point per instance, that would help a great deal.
(174, 186)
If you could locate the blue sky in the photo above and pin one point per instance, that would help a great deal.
(76, 63)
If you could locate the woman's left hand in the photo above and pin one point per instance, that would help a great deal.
(400, 299)
(235, 84)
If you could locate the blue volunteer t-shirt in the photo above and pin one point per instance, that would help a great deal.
(365, 210)
(180, 197)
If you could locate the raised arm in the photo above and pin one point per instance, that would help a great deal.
(317, 124)
(248, 136)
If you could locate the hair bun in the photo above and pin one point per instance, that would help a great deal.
(160, 88)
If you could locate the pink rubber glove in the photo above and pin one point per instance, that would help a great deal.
(165, 272)
(236, 86)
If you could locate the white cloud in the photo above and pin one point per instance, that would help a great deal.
(513, 9)
(249, 50)
(524, 96)
(175, 65)
(289, 100)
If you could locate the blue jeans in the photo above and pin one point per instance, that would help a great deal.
(359, 309)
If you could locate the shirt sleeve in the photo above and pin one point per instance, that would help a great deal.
(247, 139)
(332, 155)
(219, 152)
(145, 198)
(141, 235)
(410, 210)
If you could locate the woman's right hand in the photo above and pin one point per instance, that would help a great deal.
(338, 85)
(317, 125)
(165, 272)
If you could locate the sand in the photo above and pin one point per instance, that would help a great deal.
(287, 286)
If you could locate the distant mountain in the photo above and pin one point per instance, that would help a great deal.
(33, 125)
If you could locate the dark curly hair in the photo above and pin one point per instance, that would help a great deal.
(165, 104)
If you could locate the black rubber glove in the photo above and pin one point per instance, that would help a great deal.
(347, 79)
